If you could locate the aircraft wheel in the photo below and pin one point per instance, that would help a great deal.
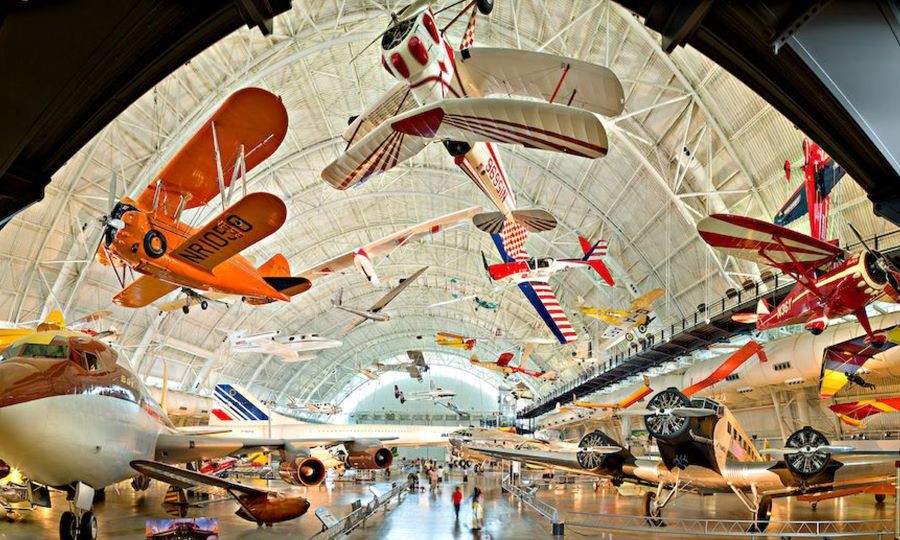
(185, 309)
(87, 530)
(154, 244)
(485, 7)
(68, 526)
(762, 516)
(653, 512)
(204, 304)
(816, 331)
(880, 497)
(642, 328)
(629, 337)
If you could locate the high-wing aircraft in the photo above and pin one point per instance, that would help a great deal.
(374, 313)
(289, 347)
(363, 257)
(853, 413)
(415, 367)
(586, 410)
(440, 97)
(100, 418)
(502, 365)
(521, 391)
(435, 394)
(316, 407)
(457, 341)
(148, 236)
(820, 175)
(638, 316)
(532, 276)
(831, 282)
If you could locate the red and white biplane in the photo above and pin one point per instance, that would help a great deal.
(831, 282)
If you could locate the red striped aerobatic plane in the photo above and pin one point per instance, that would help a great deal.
(442, 96)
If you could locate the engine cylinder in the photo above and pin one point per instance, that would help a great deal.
(302, 471)
(667, 426)
(593, 461)
(809, 459)
(370, 458)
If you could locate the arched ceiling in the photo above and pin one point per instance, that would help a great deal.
(644, 197)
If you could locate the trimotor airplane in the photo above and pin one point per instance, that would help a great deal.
(436, 394)
(457, 341)
(147, 235)
(502, 365)
(415, 367)
(820, 175)
(638, 316)
(362, 258)
(374, 313)
(831, 282)
(586, 410)
(97, 419)
(440, 98)
(289, 347)
(532, 275)
(316, 407)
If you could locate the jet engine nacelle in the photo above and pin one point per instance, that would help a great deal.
(302, 471)
(810, 456)
(368, 455)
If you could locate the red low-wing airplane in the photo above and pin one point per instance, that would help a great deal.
(831, 282)
(147, 235)
(502, 365)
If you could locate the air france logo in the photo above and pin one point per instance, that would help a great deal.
(223, 233)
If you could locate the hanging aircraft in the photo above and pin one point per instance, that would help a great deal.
(147, 235)
(362, 258)
(584, 410)
(521, 391)
(457, 341)
(440, 97)
(637, 317)
(436, 394)
(316, 407)
(415, 367)
(846, 362)
(100, 419)
(820, 175)
(54, 320)
(373, 313)
(289, 348)
(502, 366)
(831, 282)
(853, 413)
(532, 276)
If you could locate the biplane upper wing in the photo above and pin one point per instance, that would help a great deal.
(143, 291)
(645, 301)
(762, 242)
(855, 412)
(386, 245)
(394, 102)
(540, 75)
(238, 227)
(253, 118)
(547, 306)
(842, 361)
(505, 359)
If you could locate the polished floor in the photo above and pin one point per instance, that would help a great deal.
(429, 514)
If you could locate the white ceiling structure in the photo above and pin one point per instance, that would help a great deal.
(645, 197)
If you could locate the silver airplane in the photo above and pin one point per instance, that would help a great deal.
(435, 394)
(415, 367)
(373, 313)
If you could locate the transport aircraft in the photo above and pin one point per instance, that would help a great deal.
(435, 394)
(586, 410)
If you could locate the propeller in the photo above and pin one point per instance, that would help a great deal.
(881, 261)
(110, 224)
(681, 412)
(810, 450)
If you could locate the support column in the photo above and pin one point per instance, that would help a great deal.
(776, 403)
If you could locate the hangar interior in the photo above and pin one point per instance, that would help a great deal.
(694, 137)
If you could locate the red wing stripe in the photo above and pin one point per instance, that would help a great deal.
(493, 122)
(497, 134)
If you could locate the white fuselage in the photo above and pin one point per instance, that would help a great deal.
(60, 440)
(276, 343)
(391, 435)
(371, 315)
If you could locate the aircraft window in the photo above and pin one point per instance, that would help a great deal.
(91, 362)
(543, 263)
(733, 377)
(40, 350)
(781, 365)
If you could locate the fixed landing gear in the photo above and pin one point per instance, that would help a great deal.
(652, 510)
(760, 507)
(879, 498)
(191, 296)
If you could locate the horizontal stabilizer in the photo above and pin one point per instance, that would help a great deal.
(532, 220)
(288, 285)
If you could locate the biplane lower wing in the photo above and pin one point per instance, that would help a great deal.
(238, 227)
(143, 291)
(544, 76)
(762, 242)
(547, 306)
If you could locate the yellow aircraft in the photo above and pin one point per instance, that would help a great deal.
(448, 339)
(53, 321)
(622, 322)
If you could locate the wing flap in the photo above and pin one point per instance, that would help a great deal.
(142, 292)
(238, 227)
(544, 76)
(547, 306)
(252, 117)
(183, 447)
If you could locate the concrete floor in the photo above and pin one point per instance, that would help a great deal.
(428, 515)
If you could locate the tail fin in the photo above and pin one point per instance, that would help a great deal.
(593, 255)
(276, 266)
(336, 301)
(53, 321)
(533, 220)
(234, 404)
(762, 307)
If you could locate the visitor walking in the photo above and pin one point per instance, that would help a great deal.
(457, 501)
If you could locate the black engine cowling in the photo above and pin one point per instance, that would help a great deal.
(595, 461)
(4, 469)
(809, 459)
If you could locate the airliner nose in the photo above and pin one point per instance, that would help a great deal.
(21, 382)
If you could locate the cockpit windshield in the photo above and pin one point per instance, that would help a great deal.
(37, 350)
(395, 34)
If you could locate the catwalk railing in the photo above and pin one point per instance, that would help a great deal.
(876, 528)
(529, 498)
(634, 357)
(359, 515)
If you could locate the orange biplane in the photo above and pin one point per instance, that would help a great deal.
(147, 236)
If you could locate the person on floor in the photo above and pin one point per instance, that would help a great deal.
(457, 500)
(433, 476)
(477, 511)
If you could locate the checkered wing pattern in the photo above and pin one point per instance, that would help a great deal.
(514, 235)
(469, 37)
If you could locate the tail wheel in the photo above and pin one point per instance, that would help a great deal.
(154, 244)
(485, 7)
(880, 497)
(653, 512)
